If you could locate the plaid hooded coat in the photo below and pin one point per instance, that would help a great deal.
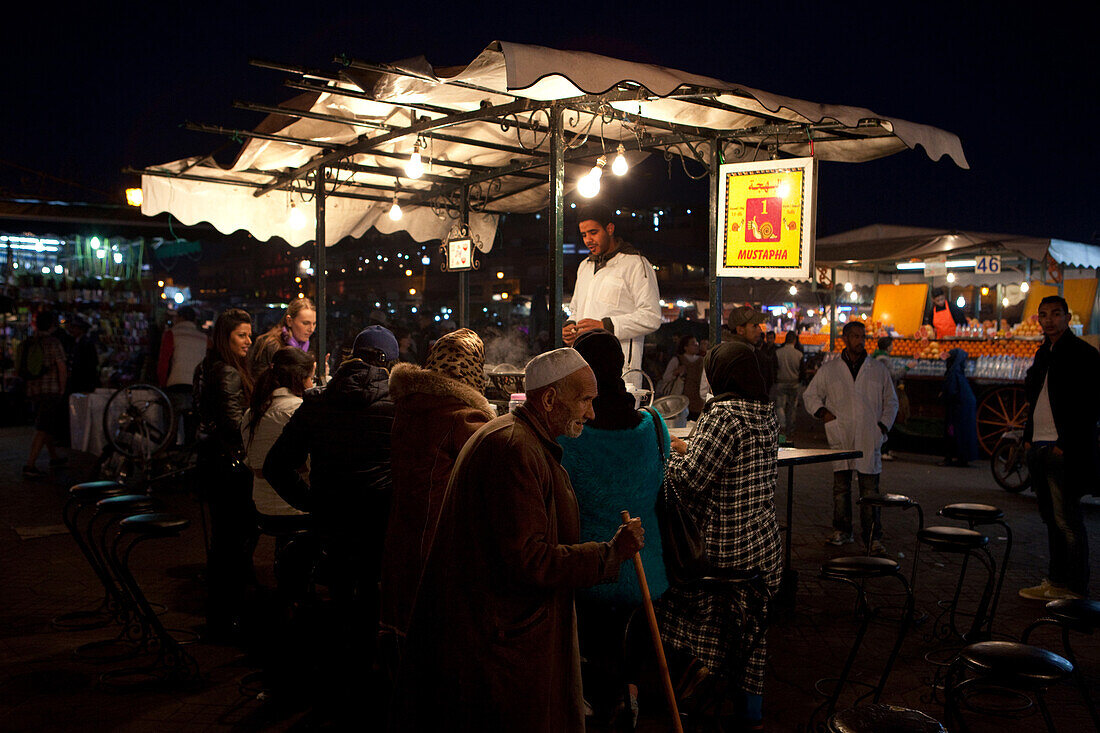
(727, 483)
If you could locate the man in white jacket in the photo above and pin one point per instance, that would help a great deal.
(855, 397)
(616, 289)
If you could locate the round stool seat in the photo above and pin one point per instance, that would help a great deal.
(952, 539)
(126, 503)
(887, 500)
(154, 523)
(94, 487)
(859, 566)
(1011, 661)
(977, 513)
(1080, 614)
(882, 719)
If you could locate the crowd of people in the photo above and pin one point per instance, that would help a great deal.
(444, 532)
(470, 558)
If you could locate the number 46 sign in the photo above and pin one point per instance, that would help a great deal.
(987, 264)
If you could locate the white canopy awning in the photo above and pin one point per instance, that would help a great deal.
(880, 243)
(486, 130)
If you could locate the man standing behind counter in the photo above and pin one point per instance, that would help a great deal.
(616, 288)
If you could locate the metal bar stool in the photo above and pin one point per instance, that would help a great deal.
(999, 667)
(856, 571)
(130, 639)
(895, 501)
(747, 596)
(976, 515)
(1080, 615)
(76, 515)
(172, 663)
(966, 542)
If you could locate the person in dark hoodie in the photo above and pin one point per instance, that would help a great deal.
(344, 429)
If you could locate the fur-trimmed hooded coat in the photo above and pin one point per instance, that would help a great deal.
(434, 416)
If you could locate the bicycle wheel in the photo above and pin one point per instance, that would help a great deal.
(139, 421)
(1009, 466)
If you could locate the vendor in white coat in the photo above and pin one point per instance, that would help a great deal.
(855, 397)
(616, 289)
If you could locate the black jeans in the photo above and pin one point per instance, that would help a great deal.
(1060, 509)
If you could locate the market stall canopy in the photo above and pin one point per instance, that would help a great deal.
(880, 243)
(485, 131)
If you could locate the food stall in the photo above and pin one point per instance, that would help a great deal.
(996, 281)
(441, 153)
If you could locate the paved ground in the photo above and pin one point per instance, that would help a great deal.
(43, 686)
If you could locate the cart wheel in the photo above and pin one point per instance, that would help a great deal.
(139, 421)
(1001, 409)
(1009, 466)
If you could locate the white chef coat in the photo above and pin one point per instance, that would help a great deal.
(859, 406)
(624, 290)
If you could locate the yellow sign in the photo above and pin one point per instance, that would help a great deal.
(766, 219)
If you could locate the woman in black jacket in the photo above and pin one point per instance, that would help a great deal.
(223, 387)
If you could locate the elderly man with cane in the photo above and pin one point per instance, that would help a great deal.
(492, 644)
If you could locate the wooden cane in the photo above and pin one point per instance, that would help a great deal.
(655, 632)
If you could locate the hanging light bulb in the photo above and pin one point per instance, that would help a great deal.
(395, 210)
(793, 290)
(415, 167)
(589, 186)
(1025, 286)
(619, 166)
(297, 219)
(950, 277)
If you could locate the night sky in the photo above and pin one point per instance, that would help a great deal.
(91, 91)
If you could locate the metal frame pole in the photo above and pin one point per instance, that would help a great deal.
(464, 275)
(555, 261)
(319, 271)
(714, 282)
(832, 311)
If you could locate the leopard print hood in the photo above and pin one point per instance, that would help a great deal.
(409, 379)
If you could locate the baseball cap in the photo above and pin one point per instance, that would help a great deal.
(375, 339)
(744, 314)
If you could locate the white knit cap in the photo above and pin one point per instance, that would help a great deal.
(548, 368)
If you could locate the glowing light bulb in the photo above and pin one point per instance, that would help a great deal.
(985, 290)
(793, 290)
(1024, 287)
(500, 275)
(297, 219)
(961, 302)
(425, 260)
(847, 287)
(619, 166)
(134, 196)
(415, 167)
(395, 210)
(950, 277)
(588, 186)
(118, 258)
(1004, 302)
(58, 269)
(178, 297)
(408, 273)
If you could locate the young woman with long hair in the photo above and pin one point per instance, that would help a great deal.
(223, 387)
(277, 396)
(295, 329)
